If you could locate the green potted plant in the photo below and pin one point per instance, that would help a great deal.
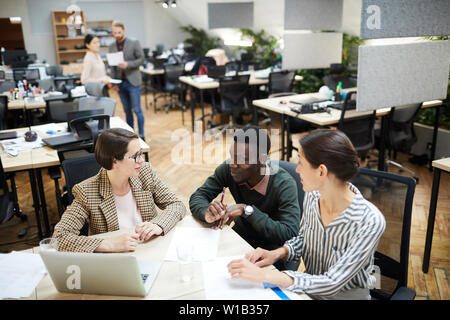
(200, 40)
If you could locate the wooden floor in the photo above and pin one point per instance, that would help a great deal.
(164, 132)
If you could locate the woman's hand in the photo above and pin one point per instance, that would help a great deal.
(147, 230)
(124, 243)
(262, 257)
(244, 269)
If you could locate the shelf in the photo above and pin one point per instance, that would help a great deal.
(72, 51)
(67, 38)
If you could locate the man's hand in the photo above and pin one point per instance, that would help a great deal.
(123, 65)
(231, 214)
(215, 211)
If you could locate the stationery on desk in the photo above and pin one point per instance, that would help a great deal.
(220, 286)
(20, 273)
(205, 246)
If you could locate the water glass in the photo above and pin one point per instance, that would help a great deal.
(185, 254)
(49, 244)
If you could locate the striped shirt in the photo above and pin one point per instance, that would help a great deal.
(338, 257)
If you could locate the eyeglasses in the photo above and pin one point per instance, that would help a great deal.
(137, 156)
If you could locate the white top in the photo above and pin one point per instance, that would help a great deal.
(93, 68)
(127, 211)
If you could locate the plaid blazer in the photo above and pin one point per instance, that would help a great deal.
(94, 203)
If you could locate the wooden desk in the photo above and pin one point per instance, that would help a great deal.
(323, 118)
(166, 285)
(208, 85)
(33, 161)
(439, 166)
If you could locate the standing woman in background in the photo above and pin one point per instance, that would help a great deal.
(93, 67)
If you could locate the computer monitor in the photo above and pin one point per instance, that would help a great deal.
(31, 75)
(16, 58)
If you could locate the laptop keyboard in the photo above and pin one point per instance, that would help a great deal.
(144, 277)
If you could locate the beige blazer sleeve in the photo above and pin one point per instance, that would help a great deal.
(72, 221)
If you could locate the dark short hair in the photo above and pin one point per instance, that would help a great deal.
(88, 38)
(255, 136)
(333, 149)
(112, 144)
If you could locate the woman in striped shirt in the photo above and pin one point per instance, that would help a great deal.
(339, 230)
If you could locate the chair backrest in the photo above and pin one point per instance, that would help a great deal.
(73, 174)
(6, 203)
(359, 130)
(337, 74)
(172, 72)
(232, 66)
(57, 110)
(46, 84)
(205, 61)
(232, 93)
(90, 127)
(96, 89)
(3, 111)
(401, 135)
(107, 104)
(281, 81)
(393, 195)
(7, 85)
(290, 168)
(54, 70)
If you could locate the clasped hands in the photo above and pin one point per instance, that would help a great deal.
(222, 214)
(128, 242)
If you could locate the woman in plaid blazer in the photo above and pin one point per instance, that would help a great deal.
(99, 200)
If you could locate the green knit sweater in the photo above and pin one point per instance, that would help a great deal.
(276, 216)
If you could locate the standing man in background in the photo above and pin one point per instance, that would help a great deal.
(128, 72)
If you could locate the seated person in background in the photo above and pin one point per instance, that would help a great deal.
(124, 194)
(266, 213)
(93, 66)
(339, 231)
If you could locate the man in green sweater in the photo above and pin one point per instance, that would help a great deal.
(266, 213)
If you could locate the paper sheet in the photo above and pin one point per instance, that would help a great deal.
(20, 273)
(204, 241)
(220, 286)
(14, 146)
(114, 59)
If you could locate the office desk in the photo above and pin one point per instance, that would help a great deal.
(33, 161)
(439, 166)
(323, 118)
(209, 85)
(166, 285)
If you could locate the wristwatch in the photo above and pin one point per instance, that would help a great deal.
(248, 211)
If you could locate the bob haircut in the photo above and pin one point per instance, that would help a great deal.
(333, 149)
(112, 145)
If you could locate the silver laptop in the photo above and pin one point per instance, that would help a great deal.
(99, 273)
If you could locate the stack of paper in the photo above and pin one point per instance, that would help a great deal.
(220, 286)
(20, 273)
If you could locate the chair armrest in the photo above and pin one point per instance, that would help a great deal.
(404, 293)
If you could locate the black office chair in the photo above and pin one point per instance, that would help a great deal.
(74, 175)
(173, 87)
(97, 99)
(359, 130)
(393, 195)
(233, 66)
(338, 74)
(290, 168)
(233, 101)
(54, 71)
(57, 110)
(7, 85)
(201, 65)
(400, 135)
(46, 84)
(3, 112)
